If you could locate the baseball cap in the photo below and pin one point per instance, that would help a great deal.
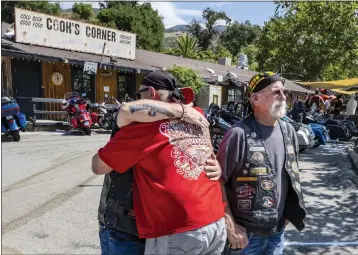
(262, 80)
(166, 81)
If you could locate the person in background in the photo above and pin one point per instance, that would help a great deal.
(177, 207)
(338, 104)
(351, 106)
(316, 99)
(327, 104)
(260, 173)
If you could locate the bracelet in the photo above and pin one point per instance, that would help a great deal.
(183, 116)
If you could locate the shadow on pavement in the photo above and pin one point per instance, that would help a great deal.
(331, 201)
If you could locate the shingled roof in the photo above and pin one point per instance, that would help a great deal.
(145, 60)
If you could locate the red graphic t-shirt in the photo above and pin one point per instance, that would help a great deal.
(171, 191)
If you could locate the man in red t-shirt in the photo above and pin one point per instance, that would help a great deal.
(178, 209)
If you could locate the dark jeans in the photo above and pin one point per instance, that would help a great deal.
(115, 242)
(260, 245)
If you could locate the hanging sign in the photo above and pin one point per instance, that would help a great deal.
(90, 67)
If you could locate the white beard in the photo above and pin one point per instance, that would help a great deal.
(278, 109)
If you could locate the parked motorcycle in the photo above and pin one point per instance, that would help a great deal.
(218, 126)
(106, 118)
(78, 116)
(12, 120)
(305, 135)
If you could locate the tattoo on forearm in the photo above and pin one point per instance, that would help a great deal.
(152, 110)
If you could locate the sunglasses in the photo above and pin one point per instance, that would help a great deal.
(138, 94)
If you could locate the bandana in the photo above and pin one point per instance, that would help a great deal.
(262, 80)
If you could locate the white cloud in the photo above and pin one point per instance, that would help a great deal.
(219, 4)
(171, 14)
(189, 12)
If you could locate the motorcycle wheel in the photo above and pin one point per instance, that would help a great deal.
(100, 121)
(15, 135)
(87, 130)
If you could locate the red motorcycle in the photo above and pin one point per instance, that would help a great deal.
(78, 116)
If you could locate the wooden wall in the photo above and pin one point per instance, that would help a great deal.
(50, 90)
(6, 75)
(102, 81)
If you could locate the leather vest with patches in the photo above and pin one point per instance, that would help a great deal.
(116, 205)
(254, 188)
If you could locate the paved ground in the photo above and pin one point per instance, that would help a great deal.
(50, 197)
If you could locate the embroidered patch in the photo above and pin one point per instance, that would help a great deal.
(257, 156)
(294, 167)
(298, 186)
(290, 149)
(246, 179)
(253, 135)
(267, 202)
(261, 148)
(244, 205)
(259, 171)
(267, 184)
(245, 191)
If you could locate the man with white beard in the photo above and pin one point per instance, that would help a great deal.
(260, 174)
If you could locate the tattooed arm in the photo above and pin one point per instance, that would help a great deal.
(151, 110)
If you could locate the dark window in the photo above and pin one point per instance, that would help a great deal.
(234, 95)
(83, 83)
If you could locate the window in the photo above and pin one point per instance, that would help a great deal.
(234, 95)
(121, 86)
(83, 83)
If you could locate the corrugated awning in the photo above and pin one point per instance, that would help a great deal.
(346, 83)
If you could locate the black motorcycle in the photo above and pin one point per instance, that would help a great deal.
(218, 126)
(106, 118)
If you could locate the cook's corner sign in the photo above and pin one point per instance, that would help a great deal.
(51, 31)
(90, 67)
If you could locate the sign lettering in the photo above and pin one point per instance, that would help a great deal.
(50, 31)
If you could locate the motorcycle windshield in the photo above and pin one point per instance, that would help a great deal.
(72, 94)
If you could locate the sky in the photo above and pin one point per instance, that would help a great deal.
(180, 13)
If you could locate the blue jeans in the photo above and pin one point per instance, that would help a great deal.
(116, 243)
(260, 245)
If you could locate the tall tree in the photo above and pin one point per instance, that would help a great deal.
(209, 32)
(317, 40)
(187, 47)
(140, 19)
(83, 11)
(7, 8)
(239, 35)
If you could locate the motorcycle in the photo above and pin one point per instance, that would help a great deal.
(218, 126)
(78, 116)
(305, 135)
(12, 120)
(336, 129)
(106, 118)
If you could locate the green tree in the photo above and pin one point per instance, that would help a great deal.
(239, 35)
(187, 77)
(209, 33)
(187, 47)
(317, 40)
(84, 11)
(142, 20)
(251, 52)
(7, 8)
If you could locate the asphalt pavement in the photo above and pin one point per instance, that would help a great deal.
(50, 197)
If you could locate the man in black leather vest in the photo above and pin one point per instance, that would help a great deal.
(259, 160)
(117, 226)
